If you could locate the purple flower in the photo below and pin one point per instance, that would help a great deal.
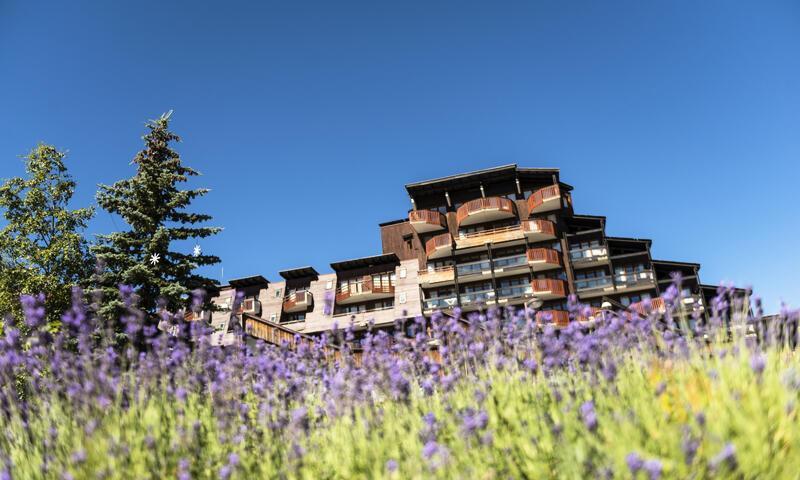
(589, 415)
(430, 449)
(653, 468)
(725, 457)
(635, 462)
(391, 465)
(758, 363)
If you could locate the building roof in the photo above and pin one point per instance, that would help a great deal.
(301, 272)
(364, 262)
(393, 222)
(630, 239)
(250, 281)
(672, 262)
(474, 178)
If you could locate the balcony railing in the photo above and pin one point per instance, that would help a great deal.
(656, 305)
(588, 256)
(298, 301)
(439, 246)
(479, 267)
(424, 221)
(437, 275)
(363, 291)
(641, 278)
(440, 303)
(590, 284)
(545, 199)
(516, 291)
(544, 259)
(511, 263)
(538, 230)
(361, 313)
(484, 210)
(494, 235)
(559, 318)
(547, 288)
(474, 298)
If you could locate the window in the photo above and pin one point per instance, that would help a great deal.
(277, 293)
(296, 317)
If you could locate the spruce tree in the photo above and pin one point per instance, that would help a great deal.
(155, 210)
(42, 247)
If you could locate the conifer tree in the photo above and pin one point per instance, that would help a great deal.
(155, 210)
(42, 247)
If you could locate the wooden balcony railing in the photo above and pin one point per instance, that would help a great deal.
(473, 207)
(427, 220)
(544, 228)
(549, 286)
(366, 289)
(298, 300)
(656, 305)
(560, 318)
(268, 331)
(441, 274)
(494, 235)
(540, 197)
(544, 257)
(439, 243)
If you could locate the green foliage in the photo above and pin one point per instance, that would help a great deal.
(42, 247)
(154, 208)
(532, 431)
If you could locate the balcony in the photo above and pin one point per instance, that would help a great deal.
(439, 246)
(514, 293)
(538, 230)
(632, 281)
(441, 303)
(424, 221)
(475, 299)
(471, 269)
(559, 318)
(433, 276)
(541, 259)
(363, 291)
(512, 265)
(298, 301)
(656, 305)
(494, 235)
(594, 287)
(484, 210)
(588, 257)
(545, 199)
(548, 288)
(693, 303)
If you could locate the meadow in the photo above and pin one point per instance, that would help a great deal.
(663, 395)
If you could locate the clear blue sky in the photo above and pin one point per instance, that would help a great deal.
(678, 120)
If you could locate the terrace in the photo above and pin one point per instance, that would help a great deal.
(545, 199)
(298, 301)
(541, 259)
(636, 280)
(595, 286)
(363, 290)
(425, 221)
(439, 246)
(588, 256)
(535, 231)
(548, 288)
(485, 210)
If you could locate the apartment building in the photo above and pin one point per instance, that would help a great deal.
(500, 237)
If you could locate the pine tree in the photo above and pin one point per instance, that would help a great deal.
(42, 247)
(154, 207)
